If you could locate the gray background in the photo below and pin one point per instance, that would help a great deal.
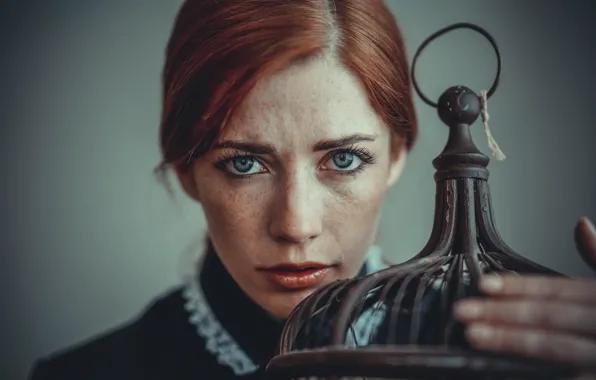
(89, 236)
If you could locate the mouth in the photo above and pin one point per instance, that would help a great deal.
(298, 276)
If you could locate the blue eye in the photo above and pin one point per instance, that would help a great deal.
(345, 161)
(243, 164)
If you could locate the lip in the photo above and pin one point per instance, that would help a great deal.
(294, 276)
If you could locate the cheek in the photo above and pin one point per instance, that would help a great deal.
(355, 199)
(233, 207)
(365, 192)
(354, 210)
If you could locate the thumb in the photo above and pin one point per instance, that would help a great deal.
(585, 240)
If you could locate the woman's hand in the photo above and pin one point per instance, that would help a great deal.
(537, 316)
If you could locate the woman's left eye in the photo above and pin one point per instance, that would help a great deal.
(343, 161)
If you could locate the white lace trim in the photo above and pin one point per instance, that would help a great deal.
(218, 340)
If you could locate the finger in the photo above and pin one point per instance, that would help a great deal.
(585, 240)
(552, 316)
(536, 344)
(541, 287)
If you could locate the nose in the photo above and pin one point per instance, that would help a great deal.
(296, 216)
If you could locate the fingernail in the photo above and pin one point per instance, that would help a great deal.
(589, 224)
(491, 284)
(467, 310)
(480, 332)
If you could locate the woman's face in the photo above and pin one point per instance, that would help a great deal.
(292, 192)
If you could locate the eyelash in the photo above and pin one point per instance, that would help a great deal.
(228, 157)
(362, 153)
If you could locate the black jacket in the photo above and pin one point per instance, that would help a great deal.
(163, 344)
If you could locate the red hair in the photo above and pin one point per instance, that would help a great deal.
(219, 49)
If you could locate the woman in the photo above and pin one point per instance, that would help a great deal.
(287, 121)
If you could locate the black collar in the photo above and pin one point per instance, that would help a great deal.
(255, 331)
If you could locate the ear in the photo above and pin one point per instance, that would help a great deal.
(398, 161)
(187, 180)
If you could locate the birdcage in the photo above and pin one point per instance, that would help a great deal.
(397, 323)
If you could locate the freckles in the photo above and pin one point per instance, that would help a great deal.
(356, 200)
(368, 187)
(237, 204)
(234, 205)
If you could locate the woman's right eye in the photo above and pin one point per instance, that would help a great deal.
(243, 166)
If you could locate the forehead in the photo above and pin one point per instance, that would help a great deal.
(310, 101)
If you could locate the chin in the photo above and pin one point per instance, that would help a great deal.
(281, 304)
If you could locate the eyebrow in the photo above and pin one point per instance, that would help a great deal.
(249, 147)
(260, 148)
(341, 142)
